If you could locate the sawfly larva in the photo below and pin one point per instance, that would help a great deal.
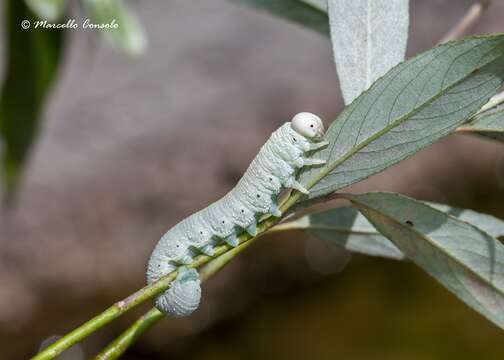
(272, 170)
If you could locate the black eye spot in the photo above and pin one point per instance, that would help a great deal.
(294, 139)
(223, 222)
(201, 232)
(178, 246)
(258, 196)
(311, 125)
(270, 179)
(242, 210)
(409, 222)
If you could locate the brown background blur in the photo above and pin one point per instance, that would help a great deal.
(130, 147)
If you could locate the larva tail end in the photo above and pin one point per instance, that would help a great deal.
(184, 295)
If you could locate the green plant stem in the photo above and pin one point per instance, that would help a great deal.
(117, 347)
(472, 16)
(146, 293)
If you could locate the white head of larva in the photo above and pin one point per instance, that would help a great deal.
(307, 124)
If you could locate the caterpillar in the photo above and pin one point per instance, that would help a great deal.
(272, 170)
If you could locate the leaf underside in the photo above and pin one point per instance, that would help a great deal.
(466, 260)
(368, 37)
(347, 228)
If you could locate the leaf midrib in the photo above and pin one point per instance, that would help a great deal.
(368, 44)
(340, 230)
(309, 226)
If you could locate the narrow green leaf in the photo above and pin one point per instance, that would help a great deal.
(309, 13)
(346, 227)
(489, 124)
(50, 10)
(32, 57)
(128, 35)
(466, 260)
(414, 104)
(368, 37)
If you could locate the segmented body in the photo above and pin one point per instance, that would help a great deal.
(273, 169)
(183, 297)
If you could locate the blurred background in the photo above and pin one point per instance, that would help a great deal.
(127, 146)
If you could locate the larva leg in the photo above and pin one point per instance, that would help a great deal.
(311, 162)
(299, 163)
(297, 186)
(207, 250)
(275, 211)
(185, 260)
(292, 183)
(252, 229)
(231, 240)
(319, 145)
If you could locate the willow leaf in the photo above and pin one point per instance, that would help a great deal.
(414, 104)
(369, 37)
(466, 260)
(346, 227)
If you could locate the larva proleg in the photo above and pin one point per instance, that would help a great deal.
(183, 297)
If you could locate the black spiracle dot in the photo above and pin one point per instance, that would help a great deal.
(223, 222)
(242, 211)
(294, 139)
(409, 222)
(311, 125)
(258, 196)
